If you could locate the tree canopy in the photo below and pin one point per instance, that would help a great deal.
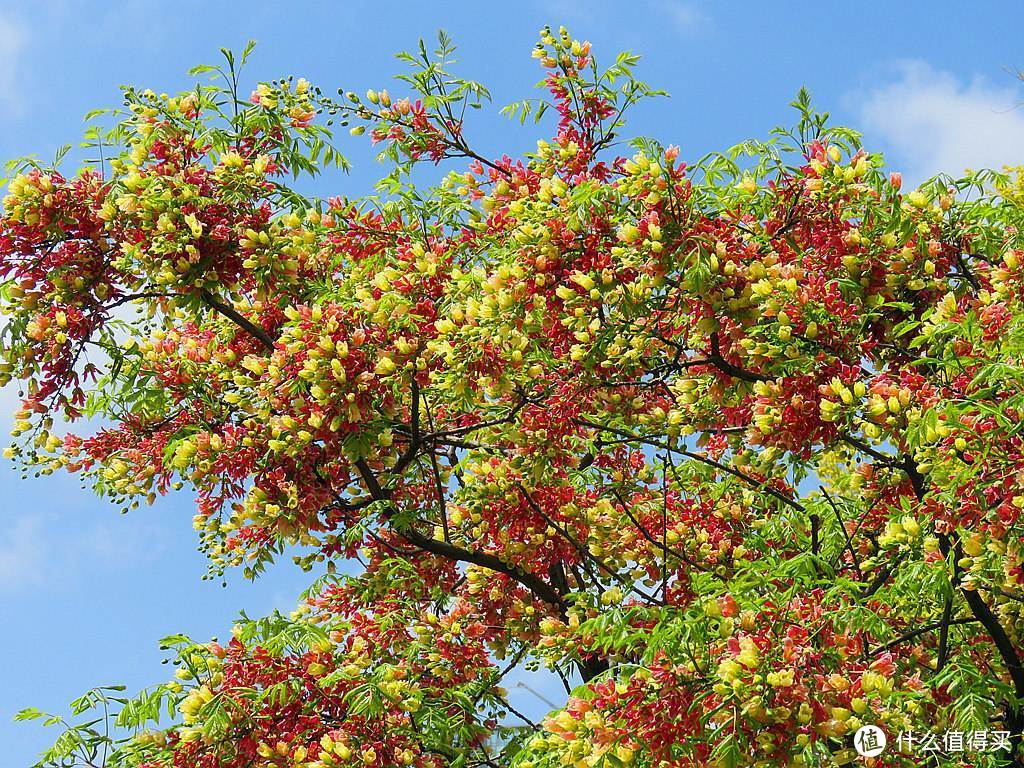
(732, 447)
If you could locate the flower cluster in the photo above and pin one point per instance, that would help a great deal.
(737, 446)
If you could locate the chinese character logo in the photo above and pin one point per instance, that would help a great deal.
(869, 741)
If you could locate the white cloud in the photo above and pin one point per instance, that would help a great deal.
(931, 122)
(38, 550)
(685, 17)
(13, 42)
(22, 554)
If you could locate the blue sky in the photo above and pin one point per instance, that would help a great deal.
(85, 592)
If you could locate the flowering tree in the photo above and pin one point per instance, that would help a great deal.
(734, 447)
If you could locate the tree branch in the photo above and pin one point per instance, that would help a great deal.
(910, 635)
(238, 319)
(726, 367)
(536, 585)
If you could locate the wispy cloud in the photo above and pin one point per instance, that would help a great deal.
(685, 17)
(14, 40)
(38, 550)
(22, 554)
(932, 122)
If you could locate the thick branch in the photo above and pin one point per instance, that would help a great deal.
(726, 367)
(238, 319)
(536, 585)
(582, 550)
(999, 637)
